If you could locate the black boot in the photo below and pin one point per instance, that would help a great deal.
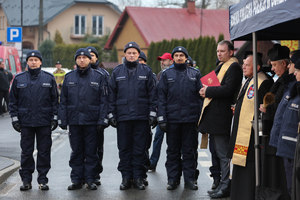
(75, 186)
(191, 185)
(43, 186)
(172, 185)
(91, 186)
(97, 182)
(223, 191)
(139, 183)
(126, 184)
(215, 183)
(25, 186)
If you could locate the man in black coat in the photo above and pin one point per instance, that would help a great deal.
(4, 85)
(217, 114)
(273, 173)
(242, 136)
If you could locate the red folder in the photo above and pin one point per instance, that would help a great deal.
(210, 79)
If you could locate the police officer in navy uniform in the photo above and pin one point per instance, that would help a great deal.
(132, 107)
(179, 107)
(83, 107)
(33, 109)
(95, 64)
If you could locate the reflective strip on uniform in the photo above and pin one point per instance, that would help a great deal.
(59, 74)
(55, 117)
(152, 113)
(59, 122)
(106, 121)
(14, 119)
(289, 138)
(160, 118)
(110, 115)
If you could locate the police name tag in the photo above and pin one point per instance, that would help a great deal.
(46, 85)
(94, 84)
(142, 77)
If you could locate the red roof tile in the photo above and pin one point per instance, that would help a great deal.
(157, 24)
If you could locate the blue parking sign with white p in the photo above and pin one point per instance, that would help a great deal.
(14, 34)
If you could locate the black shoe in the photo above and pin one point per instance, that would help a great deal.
(25, 186)
(75, 186)
(152, 168)
(145, 181)
(97, 182)
(126, 184)
(91, 186)
(43, 186)
(191, 185)
(172, 185)
(220, 194)
(139, 184)
(215, 183)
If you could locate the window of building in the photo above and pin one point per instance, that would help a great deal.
(2, 21)
(97, 25)
(80, 25)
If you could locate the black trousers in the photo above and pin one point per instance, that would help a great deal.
(44, 143)
(83, 160)
(182, 141)
(132, 145)
(100, 151)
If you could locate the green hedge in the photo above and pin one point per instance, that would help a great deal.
(202, 50)
(65, 53)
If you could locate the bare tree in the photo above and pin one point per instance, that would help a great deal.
(224, 4)
(123, 3)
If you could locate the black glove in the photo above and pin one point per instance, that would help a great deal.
(17, 126)
(152, 121)
(113, 122)
(63, 127)
(100, 128)
(54, 125)
(163, 127)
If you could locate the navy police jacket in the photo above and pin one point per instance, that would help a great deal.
(179, 100)
(83, 98)
(132, 92)
(288, 131)
(33, 98)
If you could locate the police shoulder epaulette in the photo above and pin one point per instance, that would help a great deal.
(98, 71)
(70, 72)
(118, 67)
(21, 73)
(194, 68)
(48, 73)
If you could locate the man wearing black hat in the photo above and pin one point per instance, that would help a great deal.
(95, 64)
(284, 130)
(142, 58)
(33, 109)
(216, 114)
(179, 107)
(132, 111)
(83, 107)
(273, 175)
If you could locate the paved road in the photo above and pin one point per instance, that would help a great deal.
(109, 190)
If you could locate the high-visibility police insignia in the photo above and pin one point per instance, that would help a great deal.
(89, 50)
(82, 53)
(130, 45)
(293, 105)
(250, 92)
(142, 77)
(46, 84)
(94, 84)
(179, 49)
(32, 54)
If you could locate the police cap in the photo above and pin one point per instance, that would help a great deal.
(82, 51)
(132, 45)
(143, 56)
(34, 53)
(94, 50)
(180, 49)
